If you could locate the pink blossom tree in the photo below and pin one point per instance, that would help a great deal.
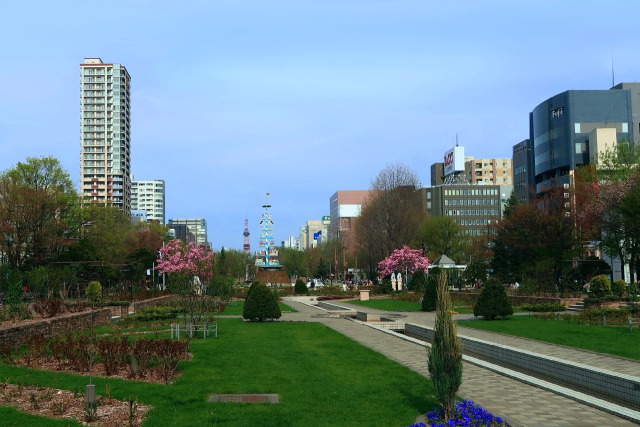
(188, 260)
(190, 268)
(405, 259)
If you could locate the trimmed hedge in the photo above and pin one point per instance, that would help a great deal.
(300, 287)
(493, 301)
(148, 314)
(599, 286)
(260, 304)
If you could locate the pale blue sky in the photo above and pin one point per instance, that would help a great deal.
(300, 98)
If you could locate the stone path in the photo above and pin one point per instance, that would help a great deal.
(620, 365)
(519, 403)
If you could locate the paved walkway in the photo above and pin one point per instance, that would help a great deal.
(620, 365)
(519, 403)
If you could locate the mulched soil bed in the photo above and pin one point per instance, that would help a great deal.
(54, 403)
(50, 364)
(36, 318)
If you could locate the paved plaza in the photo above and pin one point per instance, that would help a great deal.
(519, 403)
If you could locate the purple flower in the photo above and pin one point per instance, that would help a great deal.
(465, 414)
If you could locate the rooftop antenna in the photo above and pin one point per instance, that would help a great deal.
(456, 139)
(613, 79)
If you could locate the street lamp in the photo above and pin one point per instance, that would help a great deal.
(9, 242)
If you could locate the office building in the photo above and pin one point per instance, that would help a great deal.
(522, 170)
(485, 171)
(313, 233)
(566, 130)
(474, 207)
(149, 196)
(488, 171)
(105, 134)
(196, 230)
(344, 209)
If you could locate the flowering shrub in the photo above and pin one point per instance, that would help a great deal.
(466, 414)
(403, 260)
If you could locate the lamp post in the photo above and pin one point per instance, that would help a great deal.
(9, 242)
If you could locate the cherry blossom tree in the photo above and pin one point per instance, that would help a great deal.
(404, 259)
(189, 260)
(190, 269)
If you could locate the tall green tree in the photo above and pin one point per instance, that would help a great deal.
(532, 244)
(221, 263)
(293, 261)
(441, 235)
(445, 354)
(106, 228)
(36, 199)
(238, 263)
(510, 205)
(323, 269)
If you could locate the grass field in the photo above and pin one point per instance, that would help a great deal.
(398, 305)
(616, 341)
(323, 379)
(235, 308)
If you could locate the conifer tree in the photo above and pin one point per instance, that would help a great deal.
(445, 354)
(493, 301)
(261, 305)
(429, 300)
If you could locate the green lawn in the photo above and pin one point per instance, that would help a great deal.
(235, 308)
(323, 379)
(617, 341)
(398, 305)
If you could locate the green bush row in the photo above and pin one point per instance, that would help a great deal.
(542, 308)
(608, 298)
(157, 313)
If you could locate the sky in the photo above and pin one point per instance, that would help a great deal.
(300, 98)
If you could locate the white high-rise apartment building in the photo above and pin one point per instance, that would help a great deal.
(149, 196)
(105, 134)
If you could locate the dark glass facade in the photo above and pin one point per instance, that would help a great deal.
(560, 127)
(522, 170)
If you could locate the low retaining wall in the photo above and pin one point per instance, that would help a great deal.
(604, 304)
(17, 335)
(515, 300)
(606, 384)
(333, 307)
(367, 317)
(152, 302)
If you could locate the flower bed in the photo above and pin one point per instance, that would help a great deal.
(466, 414)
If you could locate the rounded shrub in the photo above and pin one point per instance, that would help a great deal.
(431, 290)
(94, 291)
(254, 284)
(418, 281)
(600, 286)
(300, 287)
(493, 301)
(618, 287)
(261, 305)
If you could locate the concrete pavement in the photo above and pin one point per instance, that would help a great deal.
(519, 403)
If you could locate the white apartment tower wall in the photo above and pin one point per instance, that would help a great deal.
(105, 134)
(149, 196)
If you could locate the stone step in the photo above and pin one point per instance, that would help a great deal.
(579, 306)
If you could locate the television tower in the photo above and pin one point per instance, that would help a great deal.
(246, 247)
